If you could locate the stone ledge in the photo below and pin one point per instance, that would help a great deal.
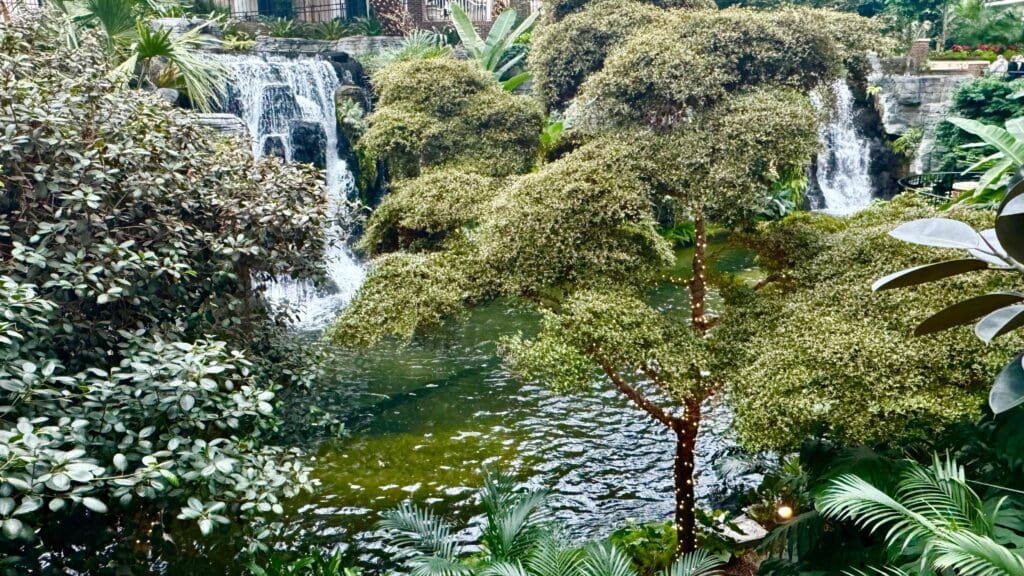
(354, 46)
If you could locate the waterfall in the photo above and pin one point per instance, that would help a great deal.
(288, 106)
(845, 157)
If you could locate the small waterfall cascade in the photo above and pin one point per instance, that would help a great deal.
(288, 106)
(845, 158)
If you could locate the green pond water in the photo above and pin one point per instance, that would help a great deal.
(424, 420)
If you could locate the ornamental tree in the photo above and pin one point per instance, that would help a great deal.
(820, 355)
(702, 108)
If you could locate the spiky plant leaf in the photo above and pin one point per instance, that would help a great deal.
(419, 530)
(606, 560)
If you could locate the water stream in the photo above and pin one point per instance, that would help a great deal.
(288, 106)
(845, 158)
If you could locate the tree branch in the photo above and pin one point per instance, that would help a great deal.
(633, 394)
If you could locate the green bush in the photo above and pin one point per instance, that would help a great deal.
(442, 111)
(987, 100)
(139, 365)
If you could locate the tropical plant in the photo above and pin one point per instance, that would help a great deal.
(418, 45)
(518, 538)
(281, 27)
(997, 313)
(933, 522)
(331, 29)
(1009, 155)
(973, 22)
(368, 25)
(490, 53)
(907, 143)
(312, 564)
(132, 45)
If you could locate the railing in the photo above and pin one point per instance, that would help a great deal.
(441, 11)
(303, 10)
(936, 186)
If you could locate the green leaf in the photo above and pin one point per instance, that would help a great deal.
(515, 81)
(467, 33)
(120, 462)
(994, 136)
(1010, 228)
(928, 273)
(938, 233)
(94, 505)
(205, 526)
(1008, 390)
(1000, 322)
(12, 528)
(966, 311)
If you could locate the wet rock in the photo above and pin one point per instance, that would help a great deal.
(227, 124)
(179, 26)
(309, 143)
(278, 106)
(169, 94)
(275, 146)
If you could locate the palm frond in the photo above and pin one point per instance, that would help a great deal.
(849, 497)
(941, 494)
(417, 530)
(513, 533)
(876, 571)
(504, 569)
(964, 552)
(437, 566)
(549, 558)
(498, 492)
(205, 79)
(697, 563)
(606, 560)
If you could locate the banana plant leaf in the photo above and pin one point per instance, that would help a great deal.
(966, 311)
(1001, 138)
(928, 273)
(1010, 227)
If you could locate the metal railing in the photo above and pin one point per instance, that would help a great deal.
(937, 186)
(441, 11)
(301, 10)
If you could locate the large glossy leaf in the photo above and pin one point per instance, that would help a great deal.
(995, 136)
(966, 311)
(1015, 126)
(938, 232)
(1010, 228)
(994, 175)
(928, 273)
(1000, 322)
(992, 250)
(501, 28)
(1008, 390)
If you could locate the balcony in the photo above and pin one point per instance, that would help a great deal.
(440, 10)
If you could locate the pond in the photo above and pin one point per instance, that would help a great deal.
(424, 420)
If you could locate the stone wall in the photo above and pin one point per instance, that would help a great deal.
(916, 102)
(354, 46)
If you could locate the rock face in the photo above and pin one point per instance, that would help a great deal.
(353, 46)
(179, 26)
(916, 102)
(227, 124)
(309, 143)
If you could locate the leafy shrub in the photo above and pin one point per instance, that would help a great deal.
(986, 100)
(444, 111)
(139, 364)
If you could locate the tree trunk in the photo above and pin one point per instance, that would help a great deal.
(686, 440)
(687, 427)
(698, 286)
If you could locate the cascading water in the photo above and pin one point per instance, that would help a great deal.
(843, 164)
(288, 106)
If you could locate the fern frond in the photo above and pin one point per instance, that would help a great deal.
(437, 566)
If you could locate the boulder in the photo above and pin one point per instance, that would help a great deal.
(226, 124)
(169, 94)
(274, 146)
(309, 143)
